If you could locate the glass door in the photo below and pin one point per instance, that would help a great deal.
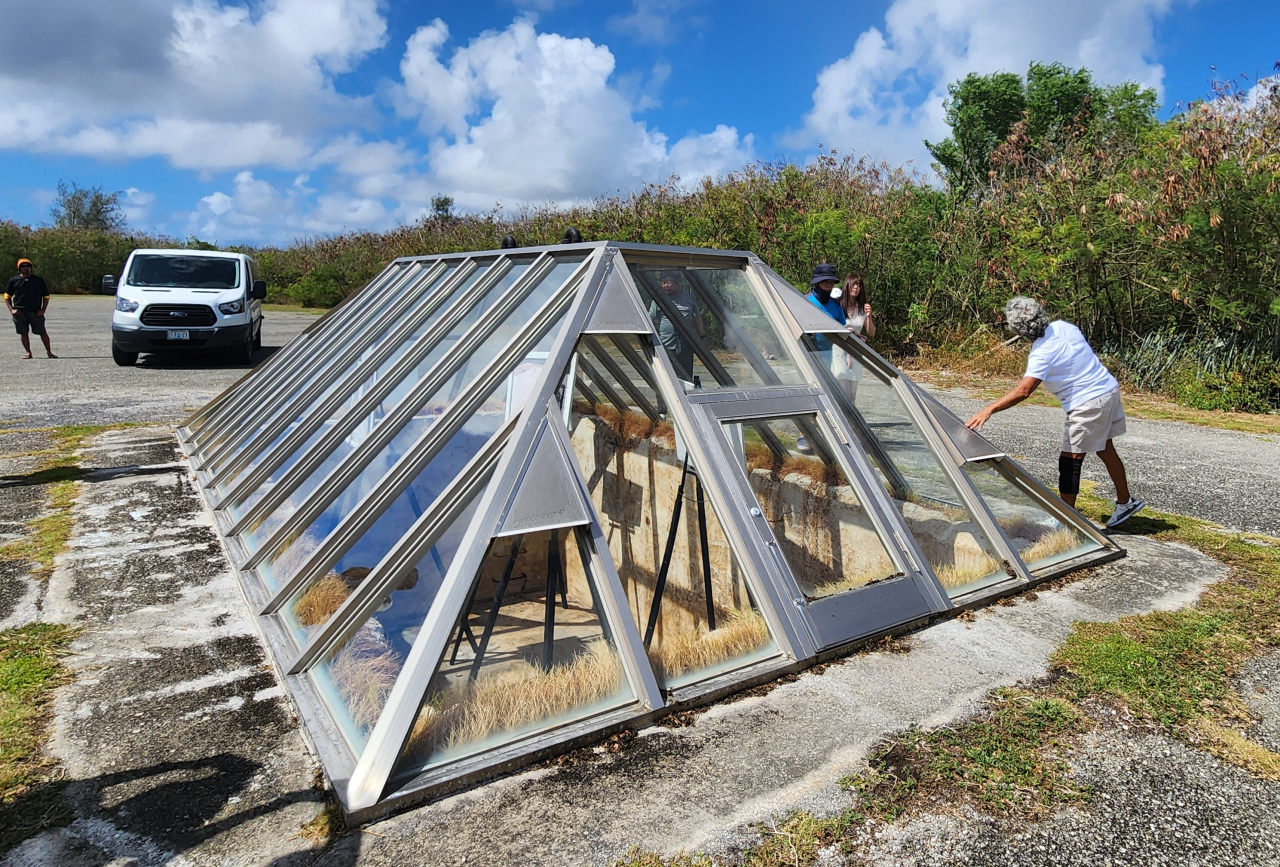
(817, 509)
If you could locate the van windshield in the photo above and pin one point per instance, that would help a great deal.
(192, 272)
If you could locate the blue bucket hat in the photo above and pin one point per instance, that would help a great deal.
(824, 272)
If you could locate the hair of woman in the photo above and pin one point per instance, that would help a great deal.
(1025, 317)
(853, 294)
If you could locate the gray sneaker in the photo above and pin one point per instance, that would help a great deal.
(1124, 511)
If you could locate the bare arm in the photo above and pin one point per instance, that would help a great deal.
(869, 325)
(1016, 395)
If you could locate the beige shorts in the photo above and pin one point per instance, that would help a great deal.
(1092, 423)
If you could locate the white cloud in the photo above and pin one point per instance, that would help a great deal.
(533, 116)
(136, 205)
(651, 21)
(886, 96)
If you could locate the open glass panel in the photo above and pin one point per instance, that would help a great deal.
(376, 379)
(355, 680)
(1040, 539)
(822, 528)
(684, 586)
(960, 553)
(478, 428)
(531, 652)
(370, 339)
(714, 328)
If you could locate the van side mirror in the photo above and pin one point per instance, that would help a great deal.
(108, 284)
(259, 290)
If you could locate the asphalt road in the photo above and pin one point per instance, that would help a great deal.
(84, 386)
(1224, 476)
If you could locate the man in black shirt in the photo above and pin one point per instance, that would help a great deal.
(27, 297)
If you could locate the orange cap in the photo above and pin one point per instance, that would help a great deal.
(22, 262)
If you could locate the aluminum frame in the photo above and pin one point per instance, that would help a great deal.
(369, 783)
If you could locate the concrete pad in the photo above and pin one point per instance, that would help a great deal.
(183, 749)
(175, 735)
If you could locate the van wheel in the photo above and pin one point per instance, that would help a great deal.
(122, 358)
(257, 338)
(243, 354)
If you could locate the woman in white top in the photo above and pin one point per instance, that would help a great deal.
(860, 321)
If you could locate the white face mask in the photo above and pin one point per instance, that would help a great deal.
(836, 292)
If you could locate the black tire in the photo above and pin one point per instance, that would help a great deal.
(257, 338)
(243, 354)
(122, 358)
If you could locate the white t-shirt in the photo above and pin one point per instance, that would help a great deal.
(1068, 367)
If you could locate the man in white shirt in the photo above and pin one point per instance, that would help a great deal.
(1062, 359)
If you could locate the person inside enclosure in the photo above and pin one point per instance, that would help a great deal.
(27, 297)
(859, 320)
(686, 306)
(1062, 359)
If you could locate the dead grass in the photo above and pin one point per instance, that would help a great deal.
(1232, 746)
(512, 697)
(966, 568)
(320, 600)
(739, 633)
(1051, 544)
(364, 671)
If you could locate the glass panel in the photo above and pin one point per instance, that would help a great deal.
(378, 379)
(719, 307)
(370, 338)
(530, 653)
(1040, 539)
(959, 551)
(822, 528)
(504, 402)
(636, 480)
(356, 680)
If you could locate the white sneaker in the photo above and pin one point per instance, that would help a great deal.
(1124, 511)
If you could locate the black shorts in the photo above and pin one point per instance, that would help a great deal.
(27, 319)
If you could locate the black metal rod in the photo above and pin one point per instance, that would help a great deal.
(706, 555)
(465, 628)
(553, 579)
(661, 585)
(492, 619)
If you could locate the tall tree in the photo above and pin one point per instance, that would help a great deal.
(78, 207)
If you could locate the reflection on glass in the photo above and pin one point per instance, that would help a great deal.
(356, 680)
(1040, 539)
(373, 339)
(713, 328)
(822, 529)
(238, 509)
(424, 417)
(531, 652)
(960, 553)
(654, 515)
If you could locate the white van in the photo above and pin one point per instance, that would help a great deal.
(186, 299)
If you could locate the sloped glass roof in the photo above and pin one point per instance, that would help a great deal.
(499, 503)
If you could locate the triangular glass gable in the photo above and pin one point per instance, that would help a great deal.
(502, 502)
(685, 588)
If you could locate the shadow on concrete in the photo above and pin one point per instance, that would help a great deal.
(53, 475)
(1140, 525)
(175, 804)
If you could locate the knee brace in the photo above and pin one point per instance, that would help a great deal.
(1069, 474)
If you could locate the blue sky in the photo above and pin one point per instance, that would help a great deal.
(262, 121)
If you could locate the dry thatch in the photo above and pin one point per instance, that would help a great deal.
(320, 600)
(740, 633)
(1056, 542)
(364, 672)
(966, 568)
(512, 697)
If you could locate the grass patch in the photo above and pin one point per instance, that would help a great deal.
(47, 534)
(1004, 760)
(30, 668)
(327, 826)
(294, 308)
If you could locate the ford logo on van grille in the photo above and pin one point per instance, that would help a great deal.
(181, 314)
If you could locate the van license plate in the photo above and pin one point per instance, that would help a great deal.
(179, 335)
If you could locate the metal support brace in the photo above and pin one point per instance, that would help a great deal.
(661, 584)
(492, 619)
(706, 555)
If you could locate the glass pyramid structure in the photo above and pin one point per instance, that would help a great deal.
(500, 504)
